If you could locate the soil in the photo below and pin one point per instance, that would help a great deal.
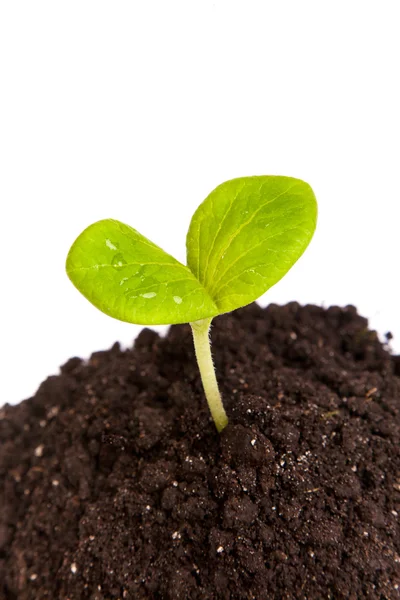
(115, 483)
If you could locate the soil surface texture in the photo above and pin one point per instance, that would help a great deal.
(115, 484)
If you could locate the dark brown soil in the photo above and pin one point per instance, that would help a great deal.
(115, 484)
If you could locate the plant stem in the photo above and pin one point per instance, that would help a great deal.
(202, 346)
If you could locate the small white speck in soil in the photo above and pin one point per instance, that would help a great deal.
(39, 450)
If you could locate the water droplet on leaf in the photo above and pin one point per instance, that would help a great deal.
(178, 299)
(118, 261)
(111, 245)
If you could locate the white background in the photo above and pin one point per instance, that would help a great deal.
(137, 110)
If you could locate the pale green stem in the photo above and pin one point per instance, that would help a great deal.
(202, 348)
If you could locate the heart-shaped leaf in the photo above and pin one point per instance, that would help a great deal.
(131, 279)
(247, 234)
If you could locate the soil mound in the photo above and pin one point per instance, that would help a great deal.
(115, 484)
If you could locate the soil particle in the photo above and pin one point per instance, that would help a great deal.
(115, 484)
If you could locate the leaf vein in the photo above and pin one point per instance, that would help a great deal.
(220, 227)
(236, 233)
(247, 252)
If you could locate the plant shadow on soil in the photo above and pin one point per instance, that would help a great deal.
(115, 484)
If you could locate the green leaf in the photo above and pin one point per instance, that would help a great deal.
(131, 279)
(247, 234)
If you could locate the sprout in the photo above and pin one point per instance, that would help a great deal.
(242, 239)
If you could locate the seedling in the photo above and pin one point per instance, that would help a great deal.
(242, 239)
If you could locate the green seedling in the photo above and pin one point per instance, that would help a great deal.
(242, 239)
